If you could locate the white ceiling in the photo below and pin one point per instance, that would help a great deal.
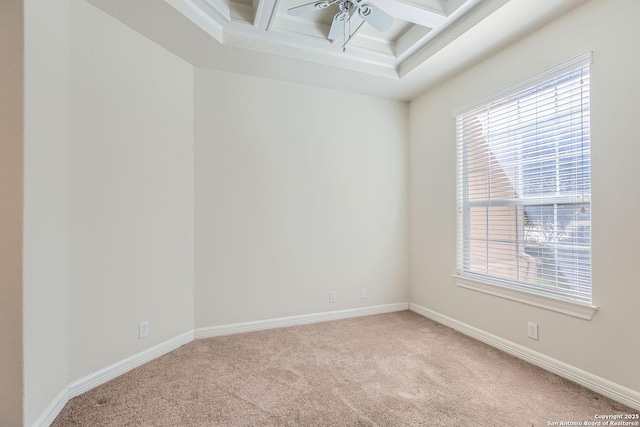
(429, 40)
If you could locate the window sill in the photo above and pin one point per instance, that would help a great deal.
(582, 311)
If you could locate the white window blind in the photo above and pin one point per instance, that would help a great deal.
(524, 188)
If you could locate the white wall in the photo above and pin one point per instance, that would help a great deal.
(609, 344)
(46, 134)
(299, 191)
(11, 212)
(130, 193)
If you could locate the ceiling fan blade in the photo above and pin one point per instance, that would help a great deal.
(337, 26)
(376, 17)
(309, 7)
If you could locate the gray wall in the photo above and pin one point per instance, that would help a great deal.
(607, 345)
(130, 192)
(299, 191)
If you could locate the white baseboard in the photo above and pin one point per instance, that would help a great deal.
(593, 382)
(161, 349)
(115, 370)
(600, 385)
(46, 418)
(90, 381)
(304, 319)
(112, 371)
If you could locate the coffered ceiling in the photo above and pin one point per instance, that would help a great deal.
(415, 23)
(427, 41)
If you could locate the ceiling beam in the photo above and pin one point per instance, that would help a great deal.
(220, 6)
(453, 5)
(264, 11)
(412, 12)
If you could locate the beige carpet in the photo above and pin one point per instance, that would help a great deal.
(397, 369)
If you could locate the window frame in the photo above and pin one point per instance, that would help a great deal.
(493, 285)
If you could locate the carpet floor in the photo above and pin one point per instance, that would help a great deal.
(397, 369)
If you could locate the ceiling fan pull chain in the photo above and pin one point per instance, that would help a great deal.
(344, 32)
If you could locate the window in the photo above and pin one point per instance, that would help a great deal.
(524, 187)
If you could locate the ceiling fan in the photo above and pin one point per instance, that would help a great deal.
(348, 9)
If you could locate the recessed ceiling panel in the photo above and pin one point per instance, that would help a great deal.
(383, 33)
(359, 35)
(427, 40)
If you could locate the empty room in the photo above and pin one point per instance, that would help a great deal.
(344, 212)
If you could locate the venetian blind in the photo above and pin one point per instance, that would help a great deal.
(524, 186)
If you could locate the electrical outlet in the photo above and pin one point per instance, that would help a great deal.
(363, 293)
(532, 330)
(332, 296)
(143, 329)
